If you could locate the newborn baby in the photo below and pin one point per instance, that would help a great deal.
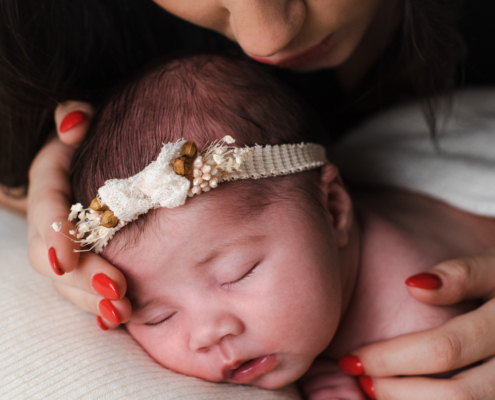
(261, 281)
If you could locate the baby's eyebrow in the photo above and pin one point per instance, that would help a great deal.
(138, 306)
(225, 246)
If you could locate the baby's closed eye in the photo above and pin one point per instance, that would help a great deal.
(246, 275)
(167, 316)
(160, 320)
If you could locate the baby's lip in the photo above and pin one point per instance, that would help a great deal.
(228, 370)
(247, 370)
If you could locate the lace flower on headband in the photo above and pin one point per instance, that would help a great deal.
(178, 172)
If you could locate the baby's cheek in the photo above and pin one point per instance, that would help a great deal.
(148, 340)
(169, 350)
(156, 344)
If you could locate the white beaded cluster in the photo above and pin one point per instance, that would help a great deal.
(88, 230)
(204, 176)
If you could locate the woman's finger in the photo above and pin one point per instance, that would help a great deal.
(72, 119)
(49, 202)
(445, 348)
(104, 324)
(455, 280)
(93, 274)
(116, 312)
(476, 383)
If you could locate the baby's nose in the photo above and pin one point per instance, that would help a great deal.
(263, 28)
(209, 330)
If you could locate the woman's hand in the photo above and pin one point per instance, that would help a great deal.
(85, 279)
(458, 343)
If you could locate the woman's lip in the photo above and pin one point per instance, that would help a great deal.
(301, 59)
(252, 369)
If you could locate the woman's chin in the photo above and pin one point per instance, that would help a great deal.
(331, 60)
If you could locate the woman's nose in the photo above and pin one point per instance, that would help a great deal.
(208, 330)
(264, 27)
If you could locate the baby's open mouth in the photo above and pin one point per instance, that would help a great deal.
(252, 369)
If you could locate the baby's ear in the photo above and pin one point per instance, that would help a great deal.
(338, 203)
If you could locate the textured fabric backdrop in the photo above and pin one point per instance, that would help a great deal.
(395, 149)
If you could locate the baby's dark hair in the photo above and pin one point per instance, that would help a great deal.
(200, 98)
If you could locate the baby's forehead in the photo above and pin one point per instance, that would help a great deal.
(232, 204)
(201, 219)
(175, 240)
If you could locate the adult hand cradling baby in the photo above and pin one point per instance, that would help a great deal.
(83, 278)
(96, 286)
(461, 342)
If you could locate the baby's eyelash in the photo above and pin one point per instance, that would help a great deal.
(159, 322)
(249, 273)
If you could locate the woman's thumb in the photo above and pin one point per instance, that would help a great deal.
(456, 280)
(72, 120)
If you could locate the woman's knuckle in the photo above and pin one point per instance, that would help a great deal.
(380, 360)
(462, 393)
(35, 259)
(460, 269)
(31, 256)
(446, 350)
(386, 395)
(460, 273)
(58, 288)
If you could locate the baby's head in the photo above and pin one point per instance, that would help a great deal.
(240, 284)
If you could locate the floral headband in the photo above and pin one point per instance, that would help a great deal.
(178, 172)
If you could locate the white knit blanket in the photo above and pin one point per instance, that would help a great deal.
(395, 149)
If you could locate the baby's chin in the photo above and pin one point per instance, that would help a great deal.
(273, 382)
(281, 376)
(276, 379)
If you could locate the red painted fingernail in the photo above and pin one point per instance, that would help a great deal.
(52, 257)
(424, 280)
(100, 323)
(367, 385)
(351, 365)
(109, 311)
(71, 120)
(105, 287)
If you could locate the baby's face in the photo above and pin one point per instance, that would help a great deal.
(245, 300)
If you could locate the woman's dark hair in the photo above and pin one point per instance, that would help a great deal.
(431, 49)
(55, 50)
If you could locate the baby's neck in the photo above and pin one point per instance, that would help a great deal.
(350, 260)
(401, 234)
